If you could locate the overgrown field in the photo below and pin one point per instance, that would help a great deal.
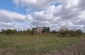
(33, 45)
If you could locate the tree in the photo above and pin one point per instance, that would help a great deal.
(70, 33)
(44, 29)
(78, 32)
(47, 29)
(32, 31)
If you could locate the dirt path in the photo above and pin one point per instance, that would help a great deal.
(76, 49)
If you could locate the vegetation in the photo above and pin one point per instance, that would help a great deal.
(9, 31)
(32, 31)
(29, 42)
(46, 30)
(33, 45)
(65, 32)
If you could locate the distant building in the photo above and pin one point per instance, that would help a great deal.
(39, 29)
(42, 29)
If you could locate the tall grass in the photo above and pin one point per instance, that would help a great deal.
(33, 45)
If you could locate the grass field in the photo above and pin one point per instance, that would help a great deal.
(32, 45)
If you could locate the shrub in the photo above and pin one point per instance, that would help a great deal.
(9, 31)
(65, 32)
(54, 31)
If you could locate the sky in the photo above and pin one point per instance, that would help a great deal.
(24, 14)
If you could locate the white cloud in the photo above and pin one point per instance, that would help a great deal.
(8, 16)
(13, 20)
(52, 13)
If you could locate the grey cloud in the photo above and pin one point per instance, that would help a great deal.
(81, 5)
(40, 23)
(67, 13)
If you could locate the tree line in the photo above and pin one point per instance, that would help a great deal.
(29, 31)
(63, 31)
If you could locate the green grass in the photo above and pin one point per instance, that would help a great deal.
(32, 45)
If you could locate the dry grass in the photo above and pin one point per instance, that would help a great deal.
(33, 45)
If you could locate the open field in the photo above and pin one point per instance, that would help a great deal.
(33, 45)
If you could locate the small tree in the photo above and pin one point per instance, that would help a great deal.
(47, 29)
(32, 31)
(79, 32)
(44, 29)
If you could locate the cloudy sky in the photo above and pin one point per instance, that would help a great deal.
(24, 14)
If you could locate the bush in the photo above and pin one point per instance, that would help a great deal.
(9, 31)
(65, 32)
(54, 31)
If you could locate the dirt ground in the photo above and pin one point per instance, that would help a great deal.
(75, 49)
